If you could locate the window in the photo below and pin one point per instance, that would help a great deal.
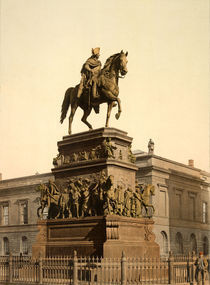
(193, 243)
(162, 203)
(23, 213)
(178, 204)
(179, 243)
(6, 246)
(205, 246)
(5, 214)
(204, 213)
(164, 243)
(24, 245)
(192, 208)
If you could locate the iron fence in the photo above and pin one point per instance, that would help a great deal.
(85, 270)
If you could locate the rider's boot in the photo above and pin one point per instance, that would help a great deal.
(95, 96)
(94, 90)
(79, 92)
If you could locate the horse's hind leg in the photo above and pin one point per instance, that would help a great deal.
(84, 118)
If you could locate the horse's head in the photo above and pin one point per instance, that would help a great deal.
(117, 62)
(152, 189)
(148, 189)
(41, 188)
(123, 63)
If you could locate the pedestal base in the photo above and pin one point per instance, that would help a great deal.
(96, 236)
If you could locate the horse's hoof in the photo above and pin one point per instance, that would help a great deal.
(117, 116)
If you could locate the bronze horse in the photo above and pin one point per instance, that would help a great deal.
(114, 68)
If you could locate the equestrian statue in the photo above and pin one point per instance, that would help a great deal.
(96, 86)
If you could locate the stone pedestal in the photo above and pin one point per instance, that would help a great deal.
(84, 155)
(96, 236)
(105, 226)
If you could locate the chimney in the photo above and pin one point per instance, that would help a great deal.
(191, 162)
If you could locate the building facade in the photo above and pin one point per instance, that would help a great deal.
(19, 201)
(181, 201)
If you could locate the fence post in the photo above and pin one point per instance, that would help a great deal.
(10, 268)
(189, 277)
(170, 268)
(40, 269)
(123, 269)
(75, 269)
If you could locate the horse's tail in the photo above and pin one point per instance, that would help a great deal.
(66, 103)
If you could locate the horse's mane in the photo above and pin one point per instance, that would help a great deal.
(109, 61)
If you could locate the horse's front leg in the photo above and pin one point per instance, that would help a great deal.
(145, 208)
(59, 212)
(109, 109)
(38, 214)
(117, 115)
(113, 98)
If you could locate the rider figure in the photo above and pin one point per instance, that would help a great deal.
(89, 73)
(53, 189)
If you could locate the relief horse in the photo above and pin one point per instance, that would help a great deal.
(107, 87)
(52, 202)
(43, 200)
(149, 190)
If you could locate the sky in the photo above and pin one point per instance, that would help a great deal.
(165, 94)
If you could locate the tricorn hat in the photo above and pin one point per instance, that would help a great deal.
(96, 50)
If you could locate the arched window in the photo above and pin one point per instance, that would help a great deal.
(164, 243)
(6, 246)
(24, 245)
(205, 246)
(193, 243)
(179, 243)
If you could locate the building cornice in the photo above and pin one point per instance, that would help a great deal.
(24, 181)
(18, 228)
(148, 156)
(172, 172)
